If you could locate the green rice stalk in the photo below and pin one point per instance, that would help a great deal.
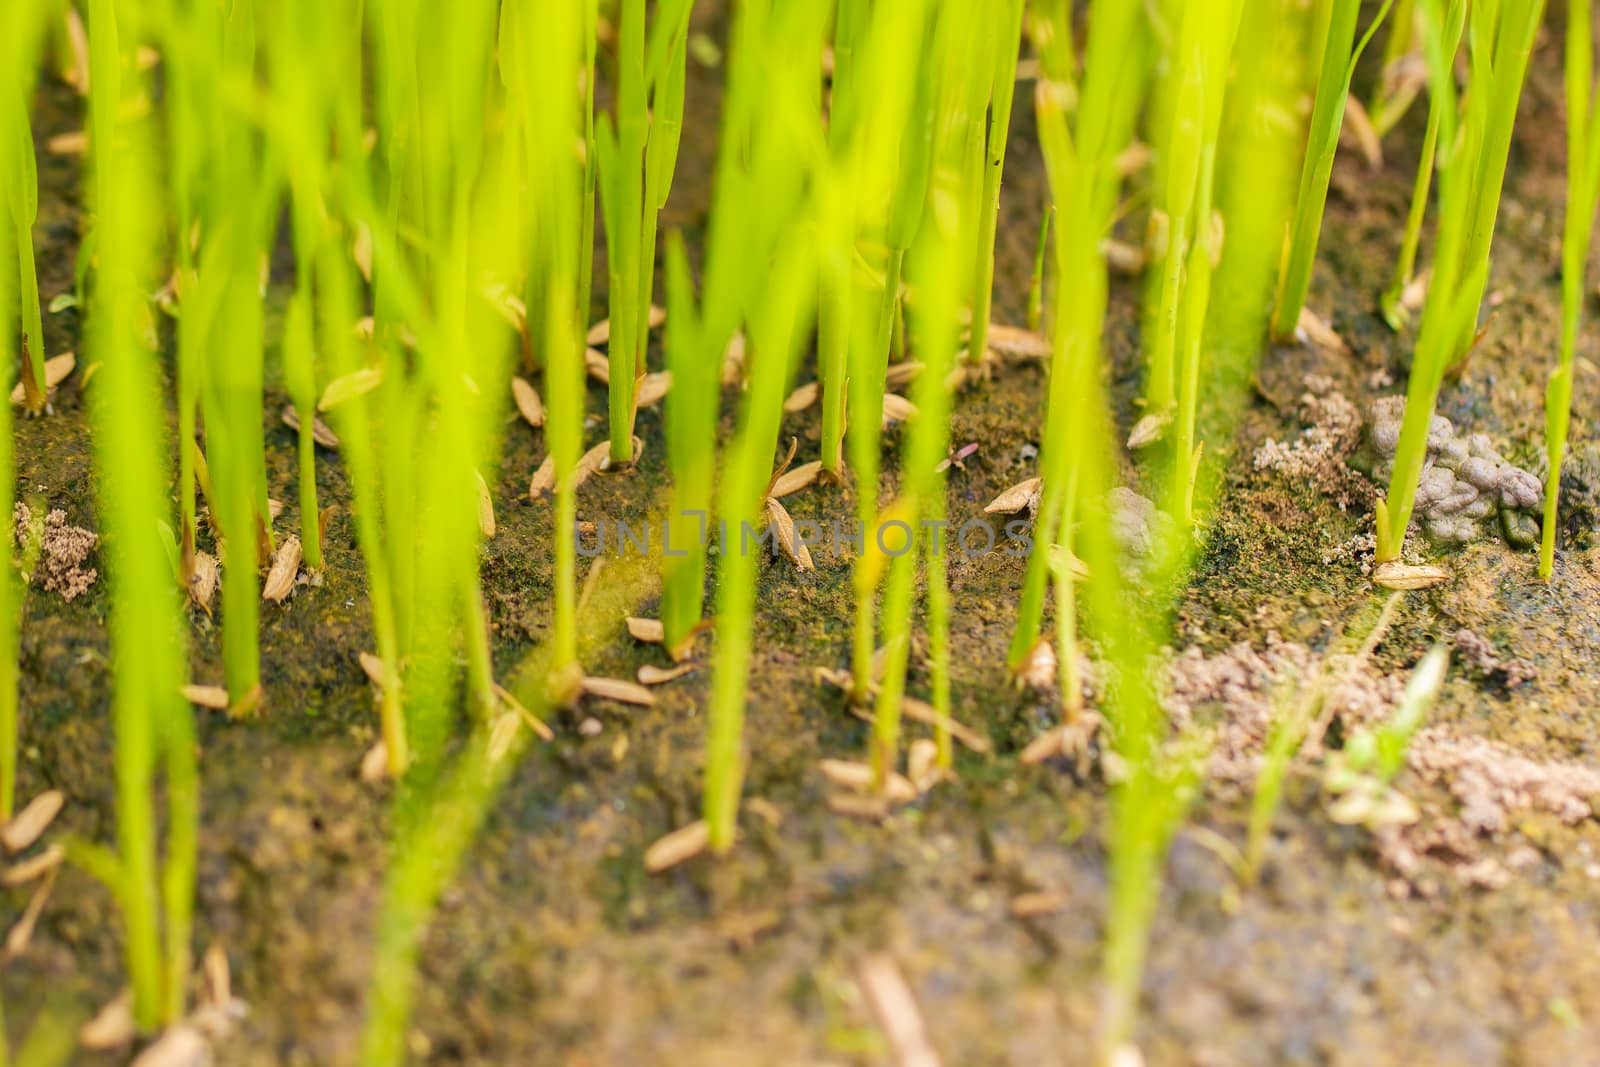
(1333, 89)
(149, 717)
(901, 67)
(1405, 266)
(20, 174)
(1009, 23)
(691, 414)
(1583, 196)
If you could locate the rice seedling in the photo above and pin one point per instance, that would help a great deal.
(1473, 154)
(911, 141)
(151, 722)
(22, 24)
(1005, 28)
(637, 152)
(942, 272)
(1333, 89)
(778, 44)
(1392, 301)
(1195, 232)
(1583, 197)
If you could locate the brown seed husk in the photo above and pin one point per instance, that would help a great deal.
(529, 719)
(897, 408)
(112, 1026)
(650, 674)
(485, 508)
(1312, 330)
(618, 690)
(1038, 668)
(203, 584)
(652, 388)
(922, 764)
(285, 568)
(214, 697)
(921, 711)
(28, 824)
(361, 250)
(528, 402)
(372, 667)
(796, 479)
(600, 332)
(1020, 497)
(802, 398)
(896, 1011)
(902, 373)
(1150, 429)
(33, 867)
(1014, 342)
(1029, 905)
(681, 844)
(20, 936)
(349, 386)
(182, 1045)
(321, 433)
(1122, 257)
(850, 774)
(787, 537)
(597, 366)
(733, 361)
(56, 369)
(1359, 131)
(647, 631)
(375, 764)
(1398, 575)
(1051, 743)
(70, 143)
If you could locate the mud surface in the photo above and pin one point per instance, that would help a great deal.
(553, 947)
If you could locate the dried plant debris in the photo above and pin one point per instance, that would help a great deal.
(1465, 483)
(285, 568)
(321, 432)
(677, 847)
(28, 824)
(1319, 457)
(63, 551)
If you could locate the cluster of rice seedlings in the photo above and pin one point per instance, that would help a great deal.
(1333, 90)
(1473, 148)
(637, 152)
(150, 720)
(1583, 196)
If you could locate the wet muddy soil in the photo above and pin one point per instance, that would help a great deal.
(1463, 943)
